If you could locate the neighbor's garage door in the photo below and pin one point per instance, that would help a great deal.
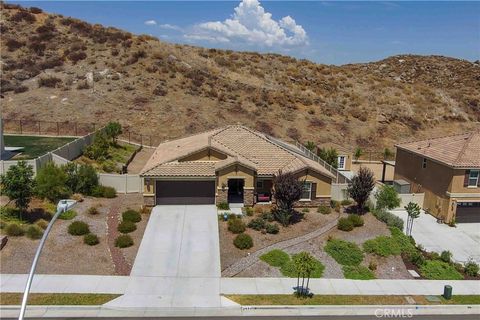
(185, 192)
(468, 212)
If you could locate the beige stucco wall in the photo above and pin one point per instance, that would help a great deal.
(236, 171)
(457, 183)
(324, 184)
(376, 167)
(205, 155)
(348, 160)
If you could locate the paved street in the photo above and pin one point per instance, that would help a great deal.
(463, 241)
(372, 317)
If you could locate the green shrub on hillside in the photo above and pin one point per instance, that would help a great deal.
(345, 224)
(389, 218)
(357, 273)
(126, 227)
(124, 241)
(91, 239)
(14, 230)
(383, 246)
(471, 268)
(344, 252)
(42, 223)
(439, 270)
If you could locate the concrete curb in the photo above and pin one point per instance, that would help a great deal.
(100, 311)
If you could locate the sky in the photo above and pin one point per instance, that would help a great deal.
(329, 32)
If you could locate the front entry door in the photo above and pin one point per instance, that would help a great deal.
(235, 190)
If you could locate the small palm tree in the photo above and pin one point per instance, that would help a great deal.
(304, 264)
(413, 211)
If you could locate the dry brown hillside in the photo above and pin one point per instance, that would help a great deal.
(60, 68)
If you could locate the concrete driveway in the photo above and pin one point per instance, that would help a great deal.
(178, 262)
(463, 241)
(180, 241)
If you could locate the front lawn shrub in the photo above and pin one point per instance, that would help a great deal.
(34, 232)
(243, 241)
(416, 258)
(288, 269)
(236, 226)
(93, 211)
(78, 228)
(439, 270)
(124, 241)
(275, 258)
(324, 210)
(272, 228)
(68, 215)
(383, 246)
(249, 211)
(268, 216)
(446, 256)
(344, 252)
(126, 226)
(131, 215)
(357, 273)
(404, 242)
(389, 218)
(223, 206)
(257, 224)
(103, 192)
(283, 216)
(345, 224)
(14, 230)
(356, 220)
(471, 268)
(91, 239)
(42, 223)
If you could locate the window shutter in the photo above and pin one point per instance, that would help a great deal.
(467, 176)
(314, 191)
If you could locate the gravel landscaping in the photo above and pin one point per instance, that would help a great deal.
(67, 254)
(391, 267)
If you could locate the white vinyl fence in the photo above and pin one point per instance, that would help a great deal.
(339, 191)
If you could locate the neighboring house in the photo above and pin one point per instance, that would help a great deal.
(231, 164)
(447, 170)
(345, 156)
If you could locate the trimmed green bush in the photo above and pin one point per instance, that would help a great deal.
(124, 241)
(126, 227)
(68, 215)
(236, 226)
(446, 256)
(389, 218)
(14, 230)
(345, 224)
(272, 228)
(324, 210)
(288, 269)
(344, 252)
(90, 239)
(417, 258)
(131, 215)
(268, 216)
(42, 223)
(356, 220)
(34, 232)
(103, 192)
(357, 273)
(243, 241)
(275, 258)
(93, 211)
(471, 268)
(439, 270)
(223, 206)
(257, 224)
(78, 228)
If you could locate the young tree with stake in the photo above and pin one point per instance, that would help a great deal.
(413, 211)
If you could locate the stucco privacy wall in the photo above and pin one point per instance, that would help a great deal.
(122, 183)
(376, 167)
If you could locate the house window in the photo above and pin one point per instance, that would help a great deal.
(341, 162)
(259, 184)
(473, 178)
(424, 163)
(307, 191)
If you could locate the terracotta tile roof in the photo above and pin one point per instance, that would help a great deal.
(184, 169)
(240, 144)
(458, 151)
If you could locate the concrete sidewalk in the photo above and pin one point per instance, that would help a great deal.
(144, 286)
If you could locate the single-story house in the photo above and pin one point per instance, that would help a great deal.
(447, 170)
(232, 164)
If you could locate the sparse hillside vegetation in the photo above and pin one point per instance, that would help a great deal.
(57, 68)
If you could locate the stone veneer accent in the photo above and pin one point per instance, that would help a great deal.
(149, 200)
(221, 196)
(248, 197)
(313, 203)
